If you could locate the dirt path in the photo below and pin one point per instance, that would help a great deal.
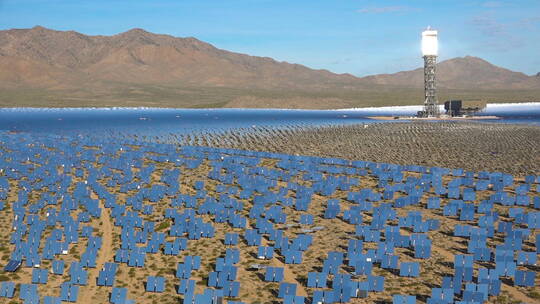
(288, 275)
(105, 254)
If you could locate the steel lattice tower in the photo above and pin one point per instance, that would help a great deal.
(430, 50)
(431, 104)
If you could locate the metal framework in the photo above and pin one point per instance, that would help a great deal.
(431, 107)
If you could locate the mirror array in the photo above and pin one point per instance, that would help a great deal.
(140, 222)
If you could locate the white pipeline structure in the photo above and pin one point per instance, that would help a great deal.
(429, 51)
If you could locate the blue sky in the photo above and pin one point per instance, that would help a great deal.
(360, 37)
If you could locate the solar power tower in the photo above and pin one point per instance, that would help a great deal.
(429, 51)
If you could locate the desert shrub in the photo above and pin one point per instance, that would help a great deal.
(534, 294)
(163, 225)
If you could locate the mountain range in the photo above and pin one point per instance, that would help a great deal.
(44, 67)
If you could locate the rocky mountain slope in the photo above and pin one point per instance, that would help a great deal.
(141, 68)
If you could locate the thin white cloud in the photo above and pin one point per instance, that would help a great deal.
(493, 4)
(496, 35)
(384, 9)
(530, 22)
(488, 25)
(341, 61)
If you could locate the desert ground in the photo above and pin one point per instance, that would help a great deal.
(471, 146)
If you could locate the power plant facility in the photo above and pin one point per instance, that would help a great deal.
(430, 50)
(462, 108)
(453, 108)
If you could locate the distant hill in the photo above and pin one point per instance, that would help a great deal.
(43, 57)
(461, 73)
(43, 67)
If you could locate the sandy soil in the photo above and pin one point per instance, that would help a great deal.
(288, 275)
(506, 148)
(333, 237)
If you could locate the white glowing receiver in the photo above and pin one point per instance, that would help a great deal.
(429, 43)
